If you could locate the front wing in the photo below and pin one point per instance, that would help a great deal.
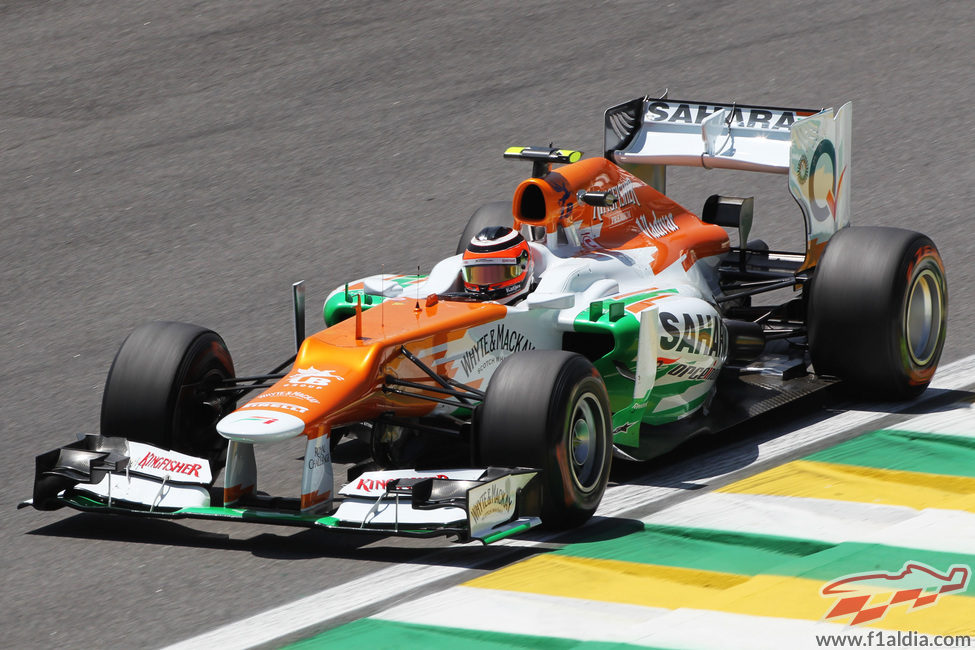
(117, 476)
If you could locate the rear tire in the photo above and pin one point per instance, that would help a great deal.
(550, 410)
(878, 311)
(496, 213)
(160, 390)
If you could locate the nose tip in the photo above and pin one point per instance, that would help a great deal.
(256, 426)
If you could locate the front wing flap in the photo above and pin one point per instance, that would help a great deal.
(114, 475)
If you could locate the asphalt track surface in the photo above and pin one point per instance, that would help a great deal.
(188, 161)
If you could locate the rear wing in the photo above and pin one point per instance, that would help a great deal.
(812, 146)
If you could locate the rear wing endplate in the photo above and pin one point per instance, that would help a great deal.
(645, 136)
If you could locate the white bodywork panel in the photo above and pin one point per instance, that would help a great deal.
(156, 477)
(151, 492)
(316, 475)
(727, 136)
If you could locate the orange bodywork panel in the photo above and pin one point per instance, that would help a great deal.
(642, 216)
(337, 376)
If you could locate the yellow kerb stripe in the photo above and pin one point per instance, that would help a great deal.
(803, 478)
(674, 587)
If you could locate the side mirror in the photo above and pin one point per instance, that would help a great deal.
(597, 199)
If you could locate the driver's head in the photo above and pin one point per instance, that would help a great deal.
(497, 264)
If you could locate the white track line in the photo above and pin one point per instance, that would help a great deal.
(579, 619)
(343, 600)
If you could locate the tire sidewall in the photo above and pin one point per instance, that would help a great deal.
(858, 310)
(147, 399)
(924, 258)
(561, 478)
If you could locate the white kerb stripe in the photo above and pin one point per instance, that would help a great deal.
(956, 420)
(948, 531)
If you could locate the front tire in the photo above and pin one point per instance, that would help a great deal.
(550, 410)
(878, 311)
(160, 390)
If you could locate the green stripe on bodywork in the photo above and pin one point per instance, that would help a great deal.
(625, 330)
(253, 513)
(675, 413)
(753, 554)
(906, 451)
(342, 305)
(628, 413)
(490, 539)
(627, 300)
(373, 633)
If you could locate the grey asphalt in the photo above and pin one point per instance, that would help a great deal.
(190, 160)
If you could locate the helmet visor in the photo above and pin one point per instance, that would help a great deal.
(487, 274)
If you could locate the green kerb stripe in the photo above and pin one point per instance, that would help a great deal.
(373, 634)
(752, 554)
(906, 451)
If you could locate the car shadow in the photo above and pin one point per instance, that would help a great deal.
(286, 545)
(737, 447)
(933, 400)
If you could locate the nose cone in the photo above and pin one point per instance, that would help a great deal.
(256, 426)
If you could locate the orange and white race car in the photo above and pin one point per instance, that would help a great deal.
(588, 316)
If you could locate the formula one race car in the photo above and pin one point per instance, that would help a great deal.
(589, 316)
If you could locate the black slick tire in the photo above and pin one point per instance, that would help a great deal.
(878, 311)
(550, 410)
(160, 390)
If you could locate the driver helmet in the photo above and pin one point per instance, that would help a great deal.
(497, 265)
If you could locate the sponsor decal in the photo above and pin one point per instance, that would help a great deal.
(164, 464)
(316, 479)
(693, 373)
(660, 226)
(823, 204)
(276, 405)
(693, 333)
(867, 596)
(751, 118)
(320, 457)
(558, 183)
(500, 338)
(491, 502)
(374, 484)
(292, 394)
(313, 378)
(802, 169)
(255, 418)
(622, 428)
(625, 196)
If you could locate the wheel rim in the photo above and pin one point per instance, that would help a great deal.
(197, 411)
(925, 311)
(586, 441)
